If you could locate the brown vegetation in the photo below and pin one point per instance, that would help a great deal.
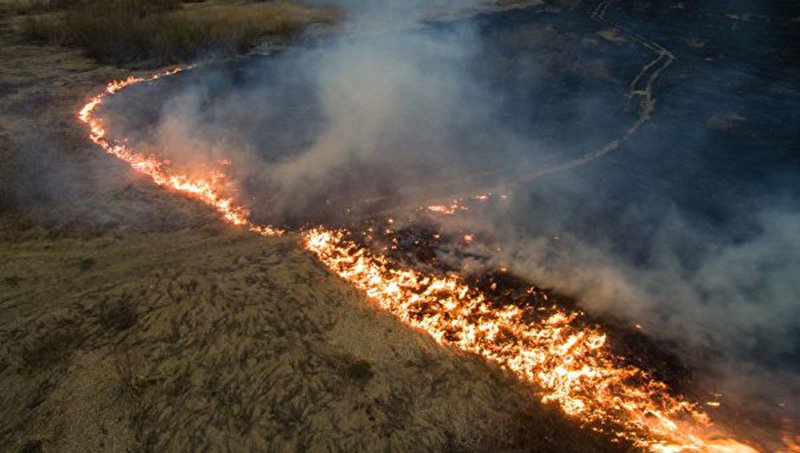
(165, 31)
(132, 320)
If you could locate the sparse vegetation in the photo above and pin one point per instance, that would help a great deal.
(85, 263)
(119, 314)
(42, 6)
(178, 333)
(53, 348)
(165, 31)
(129, 383)
(36, 6)
(12, 280)
(360, 371)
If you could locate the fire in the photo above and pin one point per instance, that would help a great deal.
(456, 205)
(570, 363)
(791, 441)
(446, 209)
(210, 189)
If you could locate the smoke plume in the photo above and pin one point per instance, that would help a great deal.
(668, 231)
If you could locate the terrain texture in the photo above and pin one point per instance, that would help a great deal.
(133, 319)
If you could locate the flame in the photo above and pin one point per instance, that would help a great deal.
(569, 362)
(572, 364)
(791, 442)
(456, 205)
(445, 209)
(210, 189)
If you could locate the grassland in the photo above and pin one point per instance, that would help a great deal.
(165, 31)
(134, 320)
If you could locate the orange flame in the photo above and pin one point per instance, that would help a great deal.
(209, 190)
(571, 364)
(456, 205)
(446, 209)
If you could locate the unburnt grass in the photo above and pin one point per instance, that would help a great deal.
(166, 31)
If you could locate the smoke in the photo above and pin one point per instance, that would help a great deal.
(395, 108)
(738, 296)
(726, 302)
(375, 117)
(679, 231)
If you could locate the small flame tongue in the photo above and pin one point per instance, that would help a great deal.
(571, 364)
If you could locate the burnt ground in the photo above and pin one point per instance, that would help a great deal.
(132, 319)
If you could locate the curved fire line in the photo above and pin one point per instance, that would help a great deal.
(572, 365)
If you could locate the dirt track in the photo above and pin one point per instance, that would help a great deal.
(132, 319)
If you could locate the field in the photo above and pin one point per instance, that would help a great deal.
(166, 31)
(133, 320)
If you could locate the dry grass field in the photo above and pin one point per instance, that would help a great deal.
(166, 31)
(134, 320)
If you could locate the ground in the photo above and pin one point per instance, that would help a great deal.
(132, 319)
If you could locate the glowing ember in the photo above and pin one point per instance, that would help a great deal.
(571, 364)
(456, 205)
(446, 209)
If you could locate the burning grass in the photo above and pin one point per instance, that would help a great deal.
(121, 31)
(184, 335)
(571, 363)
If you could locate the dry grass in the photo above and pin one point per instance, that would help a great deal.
(132, 320)
(47, 6)
(242, 344)
(166, 31)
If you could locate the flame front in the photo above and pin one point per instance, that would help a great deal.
(571, 364)
(209, 189)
